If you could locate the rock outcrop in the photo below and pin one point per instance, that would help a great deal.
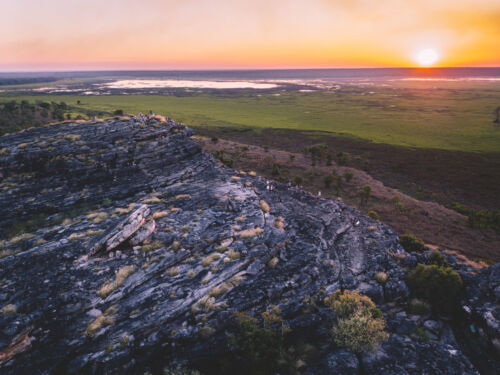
(140, 247)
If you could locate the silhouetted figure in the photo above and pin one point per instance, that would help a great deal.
(497, 111)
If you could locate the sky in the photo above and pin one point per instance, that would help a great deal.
(40, 35)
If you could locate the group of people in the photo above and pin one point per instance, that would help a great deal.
(270, 187)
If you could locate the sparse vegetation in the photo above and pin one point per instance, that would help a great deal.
(122, 274)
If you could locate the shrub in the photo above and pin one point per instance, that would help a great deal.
(214, 140)
(438, 259)
(347, 304)
(419, 307)
(373, 215)
(118, 112)
(360, 333)
(421, 334)
(360, 325)
(180, 370)
(410, 243)
(256, 349)
(440, 286)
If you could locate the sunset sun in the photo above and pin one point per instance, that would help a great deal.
(427, 57)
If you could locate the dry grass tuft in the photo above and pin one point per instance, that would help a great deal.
(381, 277)
(233, 255)
(21, 237)
(279, 223)
(273, 262)
(248, 233)
(72, 137)
(182, 196)
(9, 309)
(122, 211)
(153, 200)
(173, 271)
(155, 245)
(205, 262)
(98, 323)
(264, 206)
(159, 214)
(120, 277)
(97, 217)
(90, 232)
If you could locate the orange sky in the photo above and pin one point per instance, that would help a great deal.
(197, 34)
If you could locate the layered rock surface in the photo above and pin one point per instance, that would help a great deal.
(145, 247)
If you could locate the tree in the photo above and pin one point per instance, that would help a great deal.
(343, 158)
(338, 184)
(328, 180)
(298, 180)
(364, 195)
(329, 159)
(348, 176)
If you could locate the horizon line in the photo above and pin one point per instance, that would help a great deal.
(240, 69)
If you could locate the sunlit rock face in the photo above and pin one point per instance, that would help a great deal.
(142, 247)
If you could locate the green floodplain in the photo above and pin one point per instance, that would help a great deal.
(446, 115)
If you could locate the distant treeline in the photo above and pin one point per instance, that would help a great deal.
(15, 116)
(22, 81)
(479, 219)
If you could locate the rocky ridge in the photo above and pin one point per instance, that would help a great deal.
(143, 247)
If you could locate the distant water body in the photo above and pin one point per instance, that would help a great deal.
(372, 74)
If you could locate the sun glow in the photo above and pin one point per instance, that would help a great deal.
(427, 57)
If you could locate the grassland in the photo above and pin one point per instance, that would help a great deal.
(418, 115)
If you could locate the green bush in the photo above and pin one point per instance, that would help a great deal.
(410, 243)
(374, 215)
(438, 259)
(255, 349)
(421, 334)
(440, 286)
